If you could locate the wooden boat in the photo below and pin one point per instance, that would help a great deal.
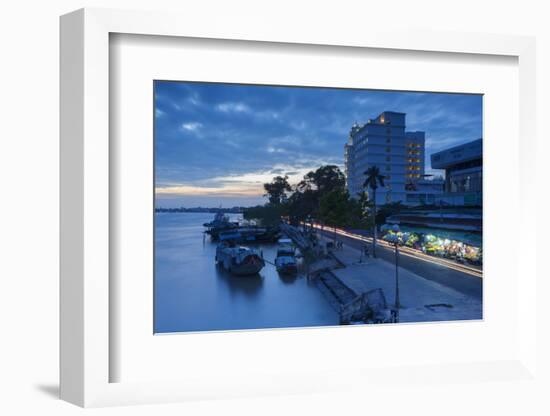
(239, 260)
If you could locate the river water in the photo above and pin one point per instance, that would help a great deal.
(192, 294)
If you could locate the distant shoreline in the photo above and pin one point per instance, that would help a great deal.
(234, 210)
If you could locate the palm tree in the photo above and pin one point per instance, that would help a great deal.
(373, 180)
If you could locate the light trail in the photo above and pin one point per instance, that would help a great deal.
(409, 252)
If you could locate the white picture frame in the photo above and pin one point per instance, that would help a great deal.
(86, 265)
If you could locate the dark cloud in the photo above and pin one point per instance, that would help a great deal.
(213, 130)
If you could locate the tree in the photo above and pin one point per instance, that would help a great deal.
(374, 178)
(303, 200)
(325, 179)
(338, 209)
(302, 204)
(320, 182)
(363, 200)
(267, 215)
(276, 190)
(334, 208)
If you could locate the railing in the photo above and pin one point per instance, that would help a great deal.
(369, 306)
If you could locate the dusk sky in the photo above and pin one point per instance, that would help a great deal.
(218, 143)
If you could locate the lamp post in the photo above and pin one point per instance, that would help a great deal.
(395, 229)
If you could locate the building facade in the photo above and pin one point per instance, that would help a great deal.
(463, 167)
(399, 155)
(424, 192)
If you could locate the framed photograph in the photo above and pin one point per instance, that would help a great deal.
(270, 212)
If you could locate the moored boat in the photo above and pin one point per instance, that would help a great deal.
(248, 234)
(285, 246)
(285, 262)
(219, 224)
(239, 260)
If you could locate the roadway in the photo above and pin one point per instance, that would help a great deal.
(462, 278)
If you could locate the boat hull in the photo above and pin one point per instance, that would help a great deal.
(246, 269)
(238, 262)
(286, 265)
(247, 235)
(287, 269)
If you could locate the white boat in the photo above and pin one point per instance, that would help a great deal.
(285, 246)
(285, 262)
(239, 260)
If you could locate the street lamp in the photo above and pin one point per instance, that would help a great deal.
(395, 242)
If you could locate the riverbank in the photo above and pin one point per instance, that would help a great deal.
(421, 300)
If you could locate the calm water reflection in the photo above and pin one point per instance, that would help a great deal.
(192, 294)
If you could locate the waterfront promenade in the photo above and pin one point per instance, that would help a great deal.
(421, 299)
(462, 282)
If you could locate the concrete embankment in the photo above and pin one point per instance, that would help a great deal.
(301, 239)
(421, 300)
(349, 280)
(321, 265)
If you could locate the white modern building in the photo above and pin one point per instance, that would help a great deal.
(463, 173)
(399, 155)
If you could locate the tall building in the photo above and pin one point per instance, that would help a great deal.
(399, 155)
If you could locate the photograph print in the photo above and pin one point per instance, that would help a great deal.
(296, 207)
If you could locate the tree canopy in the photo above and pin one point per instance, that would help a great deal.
(322, 195)
(276, 190)
(324, 180)
(374, 178)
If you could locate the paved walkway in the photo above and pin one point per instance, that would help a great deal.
(446, 276)
(416, 293)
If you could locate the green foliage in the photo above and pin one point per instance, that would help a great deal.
(364, 203)
(325, 179)
(276, 190)
(338, 209)
(267, 215)
(333, 207)
(358, 217)
(374, 179)
(301, 205)
(321, 195)
(306, 198)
